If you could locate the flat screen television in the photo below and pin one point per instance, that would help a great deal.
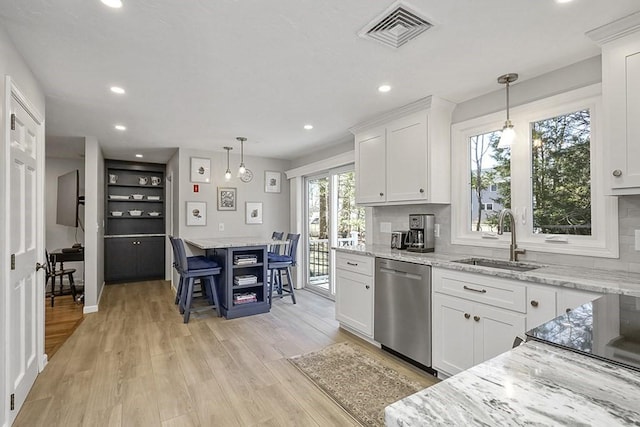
(69, 199)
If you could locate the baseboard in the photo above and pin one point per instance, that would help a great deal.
(44, 361)
(90, 309)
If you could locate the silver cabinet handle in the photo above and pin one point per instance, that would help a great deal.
(354, 264)
(534, 303)
(617, 173)
(476, 318)
(467, 315)
(480, 291)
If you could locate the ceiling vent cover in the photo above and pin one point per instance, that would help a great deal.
(396, 26)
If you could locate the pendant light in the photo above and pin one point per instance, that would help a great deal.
(242, 169)
(227, 174)
(508, 134)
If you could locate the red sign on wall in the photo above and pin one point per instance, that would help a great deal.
(196, 188)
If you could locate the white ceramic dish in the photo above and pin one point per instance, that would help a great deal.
(115, 197)
(154, 213)
(116, 213)
(137, 196)
(135, 212)
(153, 197)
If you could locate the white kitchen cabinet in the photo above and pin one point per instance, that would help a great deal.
(467, 333)
(568, 299)
(403, 157)
(620, 42)
(354, 292)
(541, 305)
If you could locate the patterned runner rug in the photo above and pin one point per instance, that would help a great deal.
(354, 380)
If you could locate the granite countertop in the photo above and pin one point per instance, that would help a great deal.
(232, 242)
(602, 281)
(534, 384)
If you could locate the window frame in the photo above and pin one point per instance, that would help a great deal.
(603, 241)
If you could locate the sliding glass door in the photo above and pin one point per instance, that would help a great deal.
(332, 220)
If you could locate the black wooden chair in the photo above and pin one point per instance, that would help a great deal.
(282, 263)
(191, 269)
(77, 292)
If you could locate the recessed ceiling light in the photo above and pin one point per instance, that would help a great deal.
(118, 90)
(116, 4)
(139, 156)
(308, 127)
(384, 88)
(120, 127)
(564, 1)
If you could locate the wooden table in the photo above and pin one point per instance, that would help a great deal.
(61, 256)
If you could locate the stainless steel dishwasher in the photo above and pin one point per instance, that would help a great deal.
(402, 319)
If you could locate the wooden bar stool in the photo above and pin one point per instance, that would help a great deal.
(201, 268)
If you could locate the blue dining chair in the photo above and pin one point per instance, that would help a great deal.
(192, 261)
(191, 269)
(277, 264)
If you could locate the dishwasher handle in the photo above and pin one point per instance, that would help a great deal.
(400, 273)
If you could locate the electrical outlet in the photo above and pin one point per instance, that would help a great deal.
(221, 226)
(637, 240)
(436, 230)
(385, 227)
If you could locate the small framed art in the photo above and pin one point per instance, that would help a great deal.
(200, 170)
(272, 181)
(227, 199)
(196, 213)
(253, 213)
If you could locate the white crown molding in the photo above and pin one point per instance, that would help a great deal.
(616, 29)
(322, 165)
(420, 104)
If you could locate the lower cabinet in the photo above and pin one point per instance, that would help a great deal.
(134, 258)
(467, 333)
(354, 292)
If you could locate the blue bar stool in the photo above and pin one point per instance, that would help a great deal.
(201, 268)
(279, 263)
(192, 262)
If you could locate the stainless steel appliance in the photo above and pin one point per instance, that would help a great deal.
(402, 319)
(421, 236)
(398, 240)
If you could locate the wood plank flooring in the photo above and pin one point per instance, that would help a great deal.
(59, 322)
(134, 363)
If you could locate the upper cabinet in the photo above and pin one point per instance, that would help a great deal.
(620, 41)
(403, 157)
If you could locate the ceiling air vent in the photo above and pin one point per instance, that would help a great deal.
(396, 26)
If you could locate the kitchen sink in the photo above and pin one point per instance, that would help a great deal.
(494, 263)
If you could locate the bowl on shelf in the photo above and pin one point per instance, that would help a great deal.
(116, 197)
(153, 197)
(116, 213)
(135, 212)
(137, 196)
(154, 213)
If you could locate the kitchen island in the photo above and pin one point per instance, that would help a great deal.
(533, 384)
(242, 286)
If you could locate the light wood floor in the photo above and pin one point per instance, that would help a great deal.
(134, 363)
(59, 322)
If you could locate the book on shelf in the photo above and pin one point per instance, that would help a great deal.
(245, 298)
(247, 279)
(245, 259)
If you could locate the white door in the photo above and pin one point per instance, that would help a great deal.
(24, 240)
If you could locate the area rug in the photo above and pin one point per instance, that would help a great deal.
(354, 380)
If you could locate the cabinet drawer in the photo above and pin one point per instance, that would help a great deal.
(360, 264)
(481, 288)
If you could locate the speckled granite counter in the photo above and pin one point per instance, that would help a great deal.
(603, 281)
(231, 242)
(534, 384)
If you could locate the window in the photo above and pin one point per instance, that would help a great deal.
(551, 178)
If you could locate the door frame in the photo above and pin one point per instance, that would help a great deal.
(13, 91)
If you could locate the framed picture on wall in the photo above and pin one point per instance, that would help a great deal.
(196, 213)
(227, 199)
(253, 213)
(272, 181)
(200, 170)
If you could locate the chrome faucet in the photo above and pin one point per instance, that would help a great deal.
(513, 249)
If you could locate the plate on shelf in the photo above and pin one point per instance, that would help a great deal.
(153, 197)
(115, 197)
(137, 196)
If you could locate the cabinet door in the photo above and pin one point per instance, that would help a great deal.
(120, 258)
(452, 334)
(150, 257)
(541, 305)
(569, 299)
(621, 92)
(354, 301)
(495, 331)
(407, 158)
(370, 166)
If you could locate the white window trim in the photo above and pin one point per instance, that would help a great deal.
(604, 239)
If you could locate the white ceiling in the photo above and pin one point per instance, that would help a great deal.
(198, 73)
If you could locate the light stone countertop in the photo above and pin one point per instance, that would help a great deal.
(534, 384)
(232, 242)
(602, 281)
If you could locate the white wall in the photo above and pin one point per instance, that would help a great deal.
(13, 65)
(338, 147)
(94, 225)
(62, 236)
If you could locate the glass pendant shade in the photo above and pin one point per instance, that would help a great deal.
(227, 174)
(242, 169)
(508, 133)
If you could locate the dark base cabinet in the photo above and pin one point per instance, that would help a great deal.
(134, 258)
(230, 292)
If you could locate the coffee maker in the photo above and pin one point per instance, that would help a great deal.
(420, 237)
